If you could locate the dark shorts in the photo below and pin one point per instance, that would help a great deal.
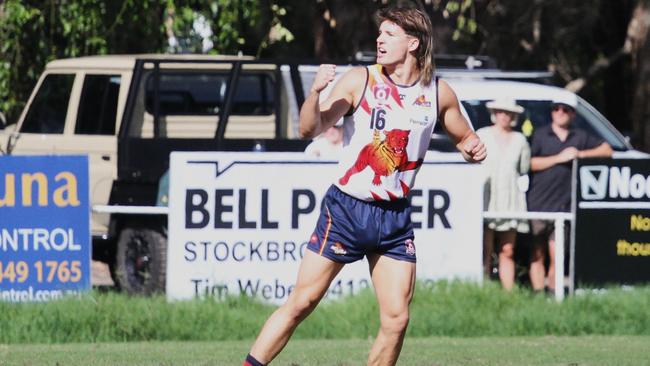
(349, 228)
(543, 230)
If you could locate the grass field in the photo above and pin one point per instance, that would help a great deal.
(456, 310)
(451, 324)
(570, 351)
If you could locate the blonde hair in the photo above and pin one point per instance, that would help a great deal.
(416, 24)
(513, 121)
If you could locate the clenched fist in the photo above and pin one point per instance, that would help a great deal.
(568, 154)
(473, 149)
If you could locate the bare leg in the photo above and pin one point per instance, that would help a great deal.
(506, 258)
(314, 278)
(393, 281)
(551, 264)
(488, 248)
(536, 270)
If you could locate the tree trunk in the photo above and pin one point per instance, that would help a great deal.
(342, 28)
(640, 49)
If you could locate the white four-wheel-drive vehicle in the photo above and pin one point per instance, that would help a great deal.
(127, 113)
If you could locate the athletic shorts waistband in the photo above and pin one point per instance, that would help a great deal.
(386, 205)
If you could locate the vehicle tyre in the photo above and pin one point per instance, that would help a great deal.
(141, 260)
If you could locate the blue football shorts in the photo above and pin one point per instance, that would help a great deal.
(349, 228)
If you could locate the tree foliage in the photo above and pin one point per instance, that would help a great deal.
(586, 44)
(35, 32)
(583, 43)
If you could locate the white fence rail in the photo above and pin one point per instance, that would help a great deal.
(131, 210)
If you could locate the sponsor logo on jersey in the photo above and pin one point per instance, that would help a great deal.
(338, 249)
(422, 101)
(410, 247)
(381, 92)
(418, 122)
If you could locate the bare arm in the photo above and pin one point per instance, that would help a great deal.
(457, 127)
(539, 163)
(524, 159)
(603, 150)
(315, 118)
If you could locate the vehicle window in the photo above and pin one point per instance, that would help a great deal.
(537, 113)
(255, 95)
(48, 109)
(589, 116)
(98, 105)
(204, 93)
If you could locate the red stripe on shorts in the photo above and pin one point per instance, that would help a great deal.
(327, 231)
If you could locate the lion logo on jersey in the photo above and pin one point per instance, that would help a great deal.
(384, 157)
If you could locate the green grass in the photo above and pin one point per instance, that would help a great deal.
(503, 351)
(446, 309)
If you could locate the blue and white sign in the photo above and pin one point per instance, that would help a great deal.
(44, 227)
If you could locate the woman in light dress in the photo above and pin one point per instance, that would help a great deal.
(509, 159)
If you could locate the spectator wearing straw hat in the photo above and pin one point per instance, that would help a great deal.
(508, 160)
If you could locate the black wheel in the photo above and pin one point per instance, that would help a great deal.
(141, 260)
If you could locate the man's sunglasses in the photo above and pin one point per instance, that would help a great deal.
(563, 108)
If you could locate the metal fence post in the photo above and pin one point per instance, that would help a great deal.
(559, 259)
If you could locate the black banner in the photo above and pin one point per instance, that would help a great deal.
(612, 228)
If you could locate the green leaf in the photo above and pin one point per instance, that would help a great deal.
(452, 7)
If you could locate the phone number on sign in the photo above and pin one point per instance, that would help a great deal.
(41, 271)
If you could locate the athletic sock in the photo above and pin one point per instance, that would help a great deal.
(251, 361)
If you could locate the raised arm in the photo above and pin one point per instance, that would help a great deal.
(457, 127)
(316, 118)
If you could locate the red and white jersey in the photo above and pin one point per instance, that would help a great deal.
(385, 138)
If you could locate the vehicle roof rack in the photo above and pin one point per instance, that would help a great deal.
(544, 77)
(471, 67)
(468, 62)
(446, 61)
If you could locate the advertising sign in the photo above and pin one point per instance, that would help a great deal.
(612, 229)
(239, 223)
(44, 227)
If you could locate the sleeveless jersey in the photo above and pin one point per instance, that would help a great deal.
(385, 138)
